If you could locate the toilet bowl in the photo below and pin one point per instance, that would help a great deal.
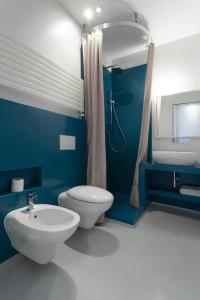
(88, 201)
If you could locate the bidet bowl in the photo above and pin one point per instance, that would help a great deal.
(35, 233)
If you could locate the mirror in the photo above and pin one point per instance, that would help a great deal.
(178, 115)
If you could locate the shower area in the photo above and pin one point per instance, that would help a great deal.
(126, 42)
(123, 96)
(124, 85)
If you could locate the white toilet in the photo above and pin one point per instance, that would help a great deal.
(88, 201)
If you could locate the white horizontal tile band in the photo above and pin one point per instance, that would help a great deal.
(34, 92)
(20, 60)
(13, 73)
(23, 51)
(26, 70)
(28, 86)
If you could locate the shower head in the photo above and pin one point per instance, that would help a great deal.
(116, 70)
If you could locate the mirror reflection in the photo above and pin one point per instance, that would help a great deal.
(178, 115)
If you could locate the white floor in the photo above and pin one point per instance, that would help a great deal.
(159, 259)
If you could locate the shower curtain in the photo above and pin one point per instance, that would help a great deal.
(144, 134)
(94, 109)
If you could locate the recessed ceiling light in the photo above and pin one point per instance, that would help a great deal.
(145, 37)
(98, 9)
(88, 13)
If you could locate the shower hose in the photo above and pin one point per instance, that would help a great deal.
(114, 116)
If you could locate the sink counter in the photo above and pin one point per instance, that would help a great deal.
(171, 168)
(157, 184)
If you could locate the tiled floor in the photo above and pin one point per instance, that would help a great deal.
(159, 259)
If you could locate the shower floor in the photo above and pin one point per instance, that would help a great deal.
(122, 211)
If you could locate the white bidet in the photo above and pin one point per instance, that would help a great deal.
(35, 233)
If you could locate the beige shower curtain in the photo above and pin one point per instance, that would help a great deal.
(144, 134)
(94, 109)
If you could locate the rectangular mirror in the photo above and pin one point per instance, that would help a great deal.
(178, 116)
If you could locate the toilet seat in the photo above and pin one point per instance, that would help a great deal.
(90, 194)
(89, 202)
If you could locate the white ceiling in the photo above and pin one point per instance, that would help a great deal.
(112, 10)
(121, 41)
(168, 20)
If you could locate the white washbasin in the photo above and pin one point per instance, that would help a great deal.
(176, 158)
(35, 233)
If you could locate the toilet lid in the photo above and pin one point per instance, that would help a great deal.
(90, 194)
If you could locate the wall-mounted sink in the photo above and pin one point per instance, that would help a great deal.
(35, 233)
(176, 158)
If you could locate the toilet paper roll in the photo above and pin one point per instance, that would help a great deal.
(17, 185)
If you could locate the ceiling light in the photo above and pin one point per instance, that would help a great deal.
(88, 13)
(145, 37)
(98, 9)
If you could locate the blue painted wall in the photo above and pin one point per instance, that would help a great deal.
(128, 94)
(107, 95)
(29, 137)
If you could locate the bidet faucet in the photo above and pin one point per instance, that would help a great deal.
(31, 197)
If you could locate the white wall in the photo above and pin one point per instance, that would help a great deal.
(177, 67)
(131, 60)
(44, 26)
(177, 70)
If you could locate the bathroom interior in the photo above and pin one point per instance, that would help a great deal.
(99, 150)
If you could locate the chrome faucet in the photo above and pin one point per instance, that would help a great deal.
(31, 197)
